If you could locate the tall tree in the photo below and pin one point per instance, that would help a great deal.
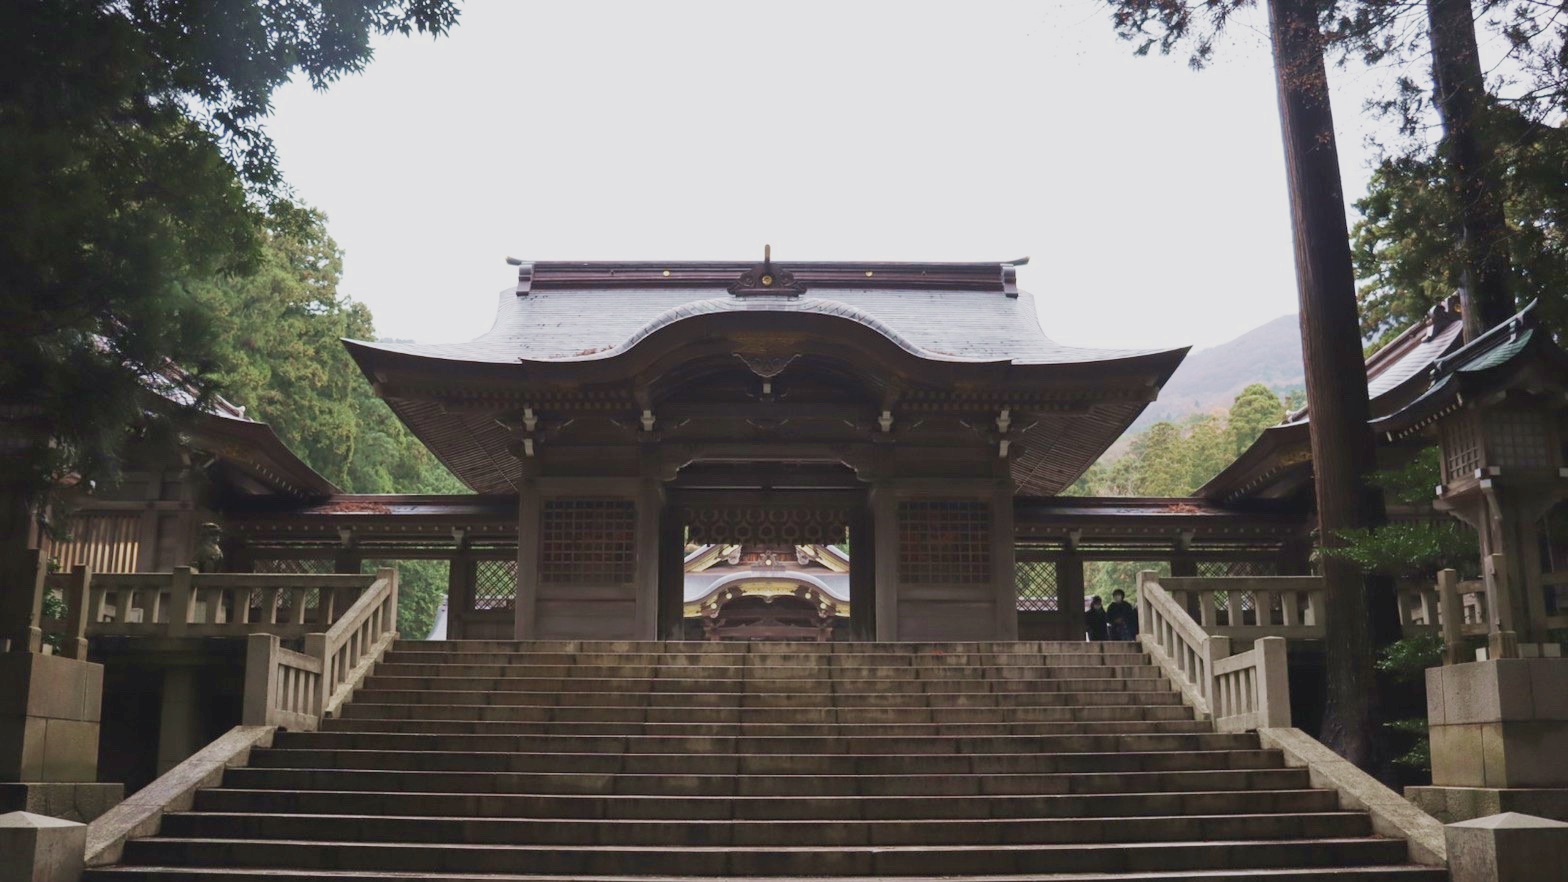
(1255, 409)
(133, 159)
(1343, 449)
(1344, 454)
(1461, 99)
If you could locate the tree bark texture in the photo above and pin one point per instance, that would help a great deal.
(1343, 449)
(1460, 92)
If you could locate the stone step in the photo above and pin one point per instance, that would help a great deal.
(579, 832)
(480, 666)
(529, 720)
(706, 685)
(533, 689)
(767, 764)
(770, 647)
(763, 808)
(1044, 702)
(1044, 739)
(744, 661)
(1310, 874)
(334, 854)
(978, 785)
(400, 735)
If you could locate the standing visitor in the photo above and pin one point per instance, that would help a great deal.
(1094, 620)
(1122, 617)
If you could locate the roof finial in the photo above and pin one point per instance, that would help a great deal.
(767, 259)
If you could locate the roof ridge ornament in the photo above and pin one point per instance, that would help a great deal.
(765, 279)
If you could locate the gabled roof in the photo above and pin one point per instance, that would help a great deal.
(1484, 365)
(1279, 461)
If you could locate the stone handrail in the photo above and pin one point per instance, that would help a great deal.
(1281, 606)
(1453, 608)
(1239, 692)
(355, 642)
(296, 690)
(186, 603)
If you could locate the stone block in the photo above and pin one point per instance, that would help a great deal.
(1509, 847)
(70, 751)
(1435, 705)
(1458, 758)
(38, 848)
(83, 802)
(1549, 688)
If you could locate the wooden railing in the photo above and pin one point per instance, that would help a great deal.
(296, 690)
(185, 603)
(1248, 690)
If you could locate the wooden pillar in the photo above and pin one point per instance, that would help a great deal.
(672, 573)
(1184, 566)
(1004, 569)
(1069, 594)
(649, 536)
(884, 532)
(862, 574)
(530, 511)
(459, 594)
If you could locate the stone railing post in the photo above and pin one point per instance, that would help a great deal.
(261, 674)
(1273, 683)
(1214, 649)
(181, 601)
(76, 604)
(1451, 616)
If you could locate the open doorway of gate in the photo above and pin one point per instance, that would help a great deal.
(772, 561)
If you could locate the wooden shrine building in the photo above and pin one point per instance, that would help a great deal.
(632, 407)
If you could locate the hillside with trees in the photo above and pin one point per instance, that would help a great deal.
(275, 349)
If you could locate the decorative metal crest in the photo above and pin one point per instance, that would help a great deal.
(765, 278)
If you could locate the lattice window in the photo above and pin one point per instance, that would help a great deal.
(1518, 439)
(785, 524)
(1037, 587)
(588, 541)
(106, 542)
(289, 566)
(495, 584)
(944, 541)
(1461, 446)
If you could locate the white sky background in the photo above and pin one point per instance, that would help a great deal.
(1150, 197)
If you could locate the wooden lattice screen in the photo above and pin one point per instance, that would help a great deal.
(588, 541)
(106, 542)
(1037, 587)
(495, 584)
(944, 541)
(795, 525)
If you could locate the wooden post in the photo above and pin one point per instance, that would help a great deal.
(862, 574)
(1069, 594)
(530, 512)
(884, 529)
(649, 503)
(1004, 566)
(672, 573)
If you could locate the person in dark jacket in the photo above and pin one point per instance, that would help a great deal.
(1122, 617)
(1094, 620)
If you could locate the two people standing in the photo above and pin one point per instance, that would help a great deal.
(1119, 621)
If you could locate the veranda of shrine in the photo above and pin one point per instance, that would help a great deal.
(884, 446)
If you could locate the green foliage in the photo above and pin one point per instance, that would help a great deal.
(1168, 459)
(1406, 245)
(1411, 549)
(1406, 660)
(132, 161)
(275, 338)
(1419, 756)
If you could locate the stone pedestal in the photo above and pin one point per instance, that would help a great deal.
(49, 709)
(1508, 847)
(1499, 733)
(36, 848)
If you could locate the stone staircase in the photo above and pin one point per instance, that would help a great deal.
(484, 760)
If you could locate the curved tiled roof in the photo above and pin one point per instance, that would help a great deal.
(541, 322)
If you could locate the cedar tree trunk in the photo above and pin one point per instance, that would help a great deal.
(1461, 101)
(1343, 451)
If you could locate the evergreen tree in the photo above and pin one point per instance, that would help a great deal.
(1255, 409)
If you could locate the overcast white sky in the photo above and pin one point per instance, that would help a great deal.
(1151, 198)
